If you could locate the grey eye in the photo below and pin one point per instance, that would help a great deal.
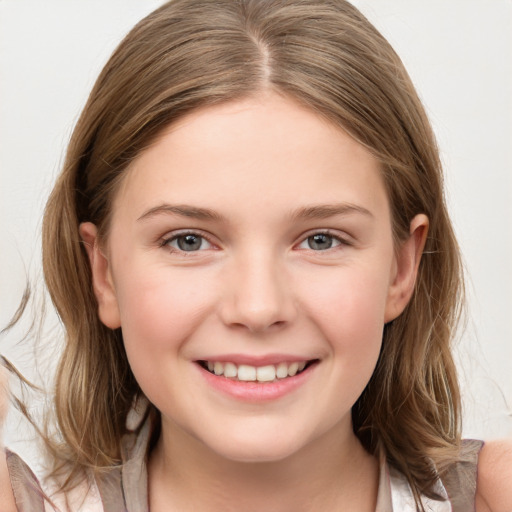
(320, 242)
(189, 242)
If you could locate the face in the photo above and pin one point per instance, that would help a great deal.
(250, 264)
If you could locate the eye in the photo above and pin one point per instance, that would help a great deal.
(187, 242)
(320, 242)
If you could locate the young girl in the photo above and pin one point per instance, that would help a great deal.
(249, 249)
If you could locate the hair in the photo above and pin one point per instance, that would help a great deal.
(190, 54)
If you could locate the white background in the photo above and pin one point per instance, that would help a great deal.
(459, 55)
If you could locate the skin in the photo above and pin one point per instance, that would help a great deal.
(6, 496)
(494, 486)
(256, 288)
(252, 288)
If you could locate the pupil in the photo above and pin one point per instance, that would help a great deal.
(189, 242)
(320, 242)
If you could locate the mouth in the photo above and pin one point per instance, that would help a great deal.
(261, 374)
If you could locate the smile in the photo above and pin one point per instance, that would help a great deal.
(248, 373)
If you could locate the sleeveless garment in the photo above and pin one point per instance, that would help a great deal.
(124, 489)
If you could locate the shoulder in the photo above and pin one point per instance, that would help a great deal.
(6, 494)
(20, 484)
(494, 480)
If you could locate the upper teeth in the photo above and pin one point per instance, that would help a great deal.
(246, 372)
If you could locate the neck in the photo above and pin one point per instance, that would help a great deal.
(332, 473)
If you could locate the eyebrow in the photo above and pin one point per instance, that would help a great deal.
(182, 210)
(322, 211)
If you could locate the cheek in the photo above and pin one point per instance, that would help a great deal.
(349, 308)
(160, 309)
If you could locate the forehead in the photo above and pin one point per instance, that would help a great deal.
(266, 152)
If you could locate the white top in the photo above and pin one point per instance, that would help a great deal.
(124, 489)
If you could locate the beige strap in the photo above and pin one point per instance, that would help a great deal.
(110, 489)
(460, 482)
(28, 494)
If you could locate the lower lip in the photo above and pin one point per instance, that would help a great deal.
(257, 391)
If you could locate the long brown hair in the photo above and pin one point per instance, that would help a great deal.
(325, 54)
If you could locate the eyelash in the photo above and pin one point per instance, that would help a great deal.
(335, 237)
(165, 242)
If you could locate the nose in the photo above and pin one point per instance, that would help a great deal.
(257, 295)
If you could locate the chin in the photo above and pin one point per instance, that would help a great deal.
(253, 455)
(256, 449)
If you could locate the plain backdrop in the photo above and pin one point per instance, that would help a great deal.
(459, 55)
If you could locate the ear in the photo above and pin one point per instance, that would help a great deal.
(407, 261)
(102, 282)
